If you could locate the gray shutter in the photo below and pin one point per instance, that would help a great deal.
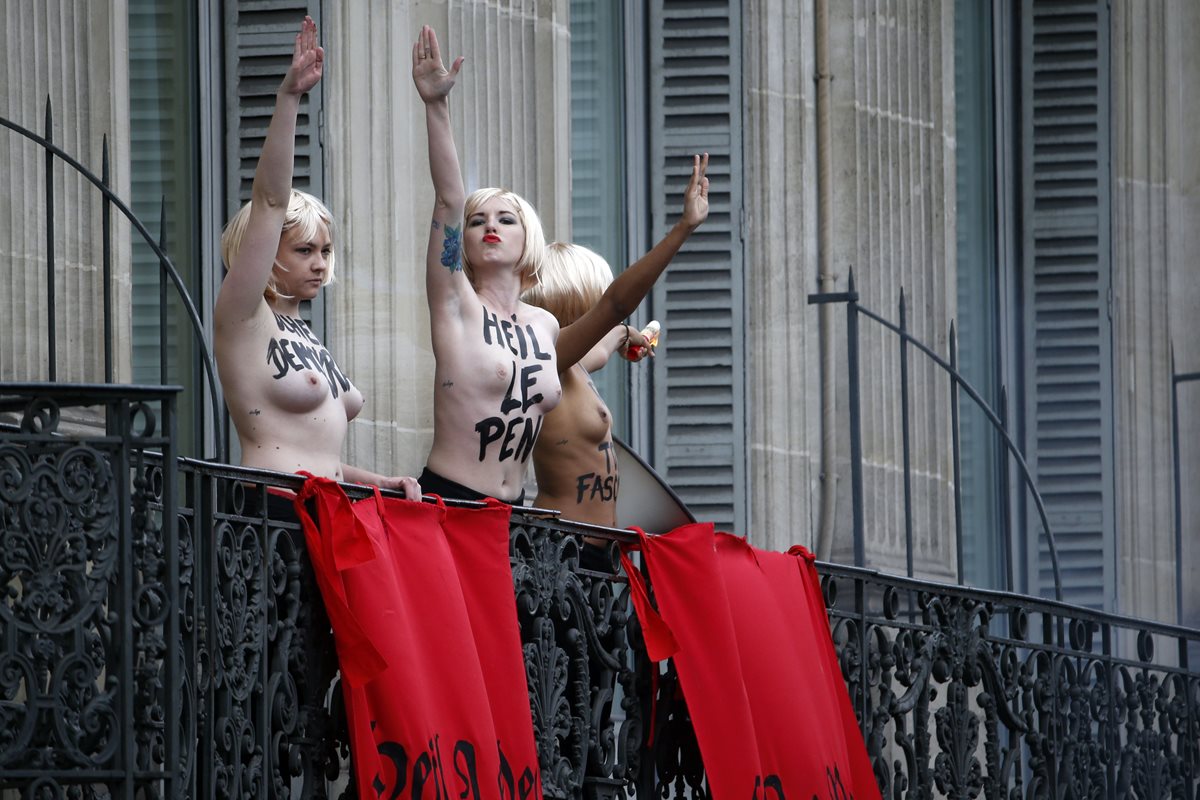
(1066, 275)
(162, 171)
(598, 186)
(259, 36)
(695, 105)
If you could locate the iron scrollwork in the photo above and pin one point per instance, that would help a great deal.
(583, 697)
(88, 666)
(174, 645)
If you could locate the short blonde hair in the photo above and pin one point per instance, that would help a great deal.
(530, 263)
(304, 213)
(572, 281)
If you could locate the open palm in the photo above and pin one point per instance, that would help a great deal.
(308, 61)
(695, 197)
(430, 75)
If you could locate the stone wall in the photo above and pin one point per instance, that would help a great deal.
(1156, 290)
(893, 225)
(72, 52)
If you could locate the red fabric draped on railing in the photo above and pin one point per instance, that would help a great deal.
(750, 640)
(421, 601)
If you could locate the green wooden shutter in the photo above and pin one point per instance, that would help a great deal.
(1066, 275)
(695, 105)
(259, 36)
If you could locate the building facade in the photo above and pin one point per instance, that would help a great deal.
(1023, 171)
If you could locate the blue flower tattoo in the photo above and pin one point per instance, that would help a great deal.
(452, 249)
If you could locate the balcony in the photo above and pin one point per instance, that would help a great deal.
(162, 639)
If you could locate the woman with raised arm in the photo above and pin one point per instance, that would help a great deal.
(573, 459)
(289, 400)
(497, 358)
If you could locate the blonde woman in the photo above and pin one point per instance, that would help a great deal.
(289, 400)
(498, 358)
(575, 464)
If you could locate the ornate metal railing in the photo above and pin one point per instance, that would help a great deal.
(163, 637)
(93, 679)
(958, 385)
(168, 275)
(160, 636)
(965, 693)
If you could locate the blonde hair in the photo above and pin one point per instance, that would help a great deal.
(530, 262)
(304, 214)
(572, 281)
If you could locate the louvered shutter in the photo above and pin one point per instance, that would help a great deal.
(598, 187)
(1066, 274)
(259, 36)
(163, 157)
(695, 105)
(597, 182)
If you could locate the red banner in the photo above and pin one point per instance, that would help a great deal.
(424, 617)
(750, 640)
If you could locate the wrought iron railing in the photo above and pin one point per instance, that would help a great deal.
(162, 637)
(93, 680)
(958, 385)
(168, 274)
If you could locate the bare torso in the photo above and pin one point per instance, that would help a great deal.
(575, 463)
(289, 401)
(492, 388)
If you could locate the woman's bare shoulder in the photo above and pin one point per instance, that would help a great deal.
(540, 316)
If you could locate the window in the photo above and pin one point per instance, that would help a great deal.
(164, 169)
(598, 189)
(984, 552)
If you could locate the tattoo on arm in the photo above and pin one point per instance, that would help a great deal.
(436, 225)
(452, 249)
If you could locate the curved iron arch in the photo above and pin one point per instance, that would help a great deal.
(165, 263)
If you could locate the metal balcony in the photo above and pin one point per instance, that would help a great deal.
(161, 639)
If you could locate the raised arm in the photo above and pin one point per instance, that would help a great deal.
(632, 285)
(445, 283)
(242, 290)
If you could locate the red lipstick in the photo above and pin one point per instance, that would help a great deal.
(491, 238)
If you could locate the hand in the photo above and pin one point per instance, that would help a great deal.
(695, 198)
(637, 347)
(308, 61)
(431, 77)
(410, 487)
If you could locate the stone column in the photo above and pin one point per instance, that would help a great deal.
(893, 225)
(511, 115)
(74, 53)
(783, 367)
(1156, 245)
(894, 203)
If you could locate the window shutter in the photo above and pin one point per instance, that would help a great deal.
(1066, 269)
(259, 37)
(162, 164)
(156, 138)
(695, 105)
(598, 186)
